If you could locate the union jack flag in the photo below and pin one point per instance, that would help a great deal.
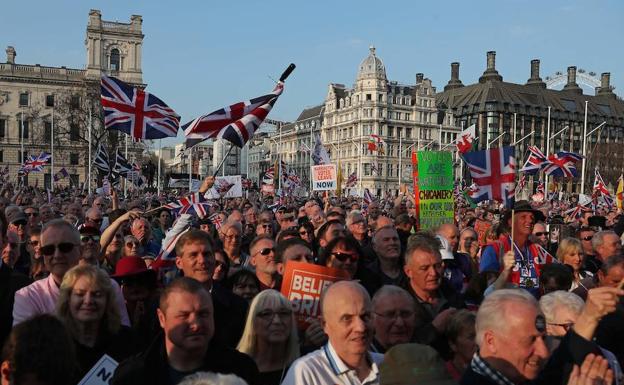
(215, 219)
(246, 183)
(494, 172)
(562, 164)
(194, 203)
(601, 190)
(368, 198)
(236, 123)
(139, 114)
(541, 189)
(575, 213)
(35, 164)
(352, 179)
(534, 162)
(521, 184)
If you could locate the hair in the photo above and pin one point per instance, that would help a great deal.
(568, 245)
(553, 301)
(598, 239)
(403, 219)
(290, 232)
(352, 215)
(113, 215)
(458, 322)
(561, 273)
(287, 244)
(348, 242)
(423, 241)
(387, 227)
(242, 275)
(59, 223)
(41, 347)
(325, 226)
(611, 262)
(209, 378)
(267, 299)
(111, 321)
(193, 236)
(583, 229)
(493, 313)
(35, 231)
(228, 223)
(387, 290)
(183, 284)
(257, 239)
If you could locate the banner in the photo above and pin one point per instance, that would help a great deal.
(229, 186)
(303, 285)
(181, 180)
(324, 177)
(433, 188)
(101, 373)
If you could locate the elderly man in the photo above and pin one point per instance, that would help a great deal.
(60, 246)
(394, 319)
(185, 314)
(606, 244)
(387, 264)
(94, 218)
(142, 231)
(328, 231)
(539, 234)
(262, 258)
(510, 331)
(46, 213)
(316, 215)
(358, 227)
(348, 321)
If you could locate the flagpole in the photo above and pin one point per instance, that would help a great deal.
(400, 158)
(584, 148)
(125, 181)
(279, 181)
(361, 172)
(159, 160)
(89, 168)
(52, 152)
(22, 142)
(216, 172)
(311, 151)
(547, 151)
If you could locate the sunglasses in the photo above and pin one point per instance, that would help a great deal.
(31, 214)
(95, 220)
(540, 234)
(342, 257)
(304, 232)
(19, 223)
(266, 251)
(87, 238)
(588, 238)
(131, 244)
(64, 247)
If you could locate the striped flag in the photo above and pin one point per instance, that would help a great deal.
(102, 160)
(352, 179)
(601, 190)
(215, 219)
(192, 204)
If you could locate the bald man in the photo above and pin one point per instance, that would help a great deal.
(347, 320)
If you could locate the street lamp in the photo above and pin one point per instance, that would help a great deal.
(585, 135)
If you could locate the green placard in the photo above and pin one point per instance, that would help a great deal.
(435, 188)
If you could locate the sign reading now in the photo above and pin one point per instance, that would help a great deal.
(324, 177)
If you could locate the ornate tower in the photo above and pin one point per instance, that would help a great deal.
(114, 48)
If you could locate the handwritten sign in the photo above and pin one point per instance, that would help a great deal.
(303, 285)
(324, 177)
(433, 188)
(101, 373)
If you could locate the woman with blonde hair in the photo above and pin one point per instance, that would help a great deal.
(270, 336)
(87, 305)
(570, 252)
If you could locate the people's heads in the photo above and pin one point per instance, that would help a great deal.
(75, 209)
(460, 334)
(10, 249)
(132, 246)
(606, 243)
(306, 232)
(46, 213)
(243, 283)
(386, 243)
(555, 276)
(347, 319)
(357, 225)
(141, 229)
(222, 266)
(294, 249)
(89, 244)
(94, 217)
(539, 234)
(451, 233)
(330, 230)
(342, 253)
(164, 218)
(251, 216)
(611, 273)
(195, 256)
(262, 255)
(570, 252)
(316, 216)
(270, 321)
(210, 378)
(287, 220)
(561, 309)
(466, 238)
(264, 228)
(32, 215)
(523, 223)
(137, 282)
(100, 203)
(584, 220)
(235, 216)
(86, 296)
(231, 235)
(18, 222)
(510, 334)
(373, 211)
(423, 263)
(39, 351)
(186, 315)
(60, 246)
(403, 222)
(35, 242)
(585, 235)
(337, 214)
(394, 316)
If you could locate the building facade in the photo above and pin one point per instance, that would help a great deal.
(42, 106)
(506, 113)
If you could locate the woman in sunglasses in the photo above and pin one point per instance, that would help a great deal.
(270, 336)
(88, 308)
(570, 252)
(132, 247)
(306, 232)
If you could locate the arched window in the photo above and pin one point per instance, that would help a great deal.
(114, 60)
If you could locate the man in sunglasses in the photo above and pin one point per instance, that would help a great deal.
(32, 215)
(60, 246)
(540, 235)
(89, 245)
(94, 218)
(591, 262)
(262, 252)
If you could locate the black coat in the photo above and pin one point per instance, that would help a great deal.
(151, 367)
(10, 282)
(470, 377)
(230, 313)
(119, 347)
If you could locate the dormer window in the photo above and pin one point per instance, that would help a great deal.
(115, 60)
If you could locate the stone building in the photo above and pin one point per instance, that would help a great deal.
(515, 110)
(37, 100)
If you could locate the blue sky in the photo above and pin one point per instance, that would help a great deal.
(201, 55)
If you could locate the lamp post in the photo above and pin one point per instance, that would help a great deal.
(585, 135)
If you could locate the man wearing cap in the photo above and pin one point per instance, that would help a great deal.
(528, 256)
(18, 224)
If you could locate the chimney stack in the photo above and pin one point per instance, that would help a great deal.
(572, 86)
(419, 77)
(454, 82)
(490, 72)
(605, 85)
(535, 79)
(10, 52)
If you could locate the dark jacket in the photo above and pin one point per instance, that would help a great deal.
(230, 312)
(10, 282)
(470, 377)
(119, 347)
(610, 333)
(151, 367)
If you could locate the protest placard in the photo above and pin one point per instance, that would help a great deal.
(303, 285)
(228, 186)
(324, 177)
(433, 188)
(101, 373)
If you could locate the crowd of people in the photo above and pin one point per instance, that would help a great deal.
(498, 297)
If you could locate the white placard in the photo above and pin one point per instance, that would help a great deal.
(101, 373)
(324, 177)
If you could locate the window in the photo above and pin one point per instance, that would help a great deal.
(407, 116)
(380, 98)
(75, 101)
(369, 97)
(367, 169)
(73, 158)
(49, 100)
(390, 131)
(408, 132)
(24, 99)
(26, 131)
(2, 128)
(1, 156)
(74, 180)
(115, 60)
(74, 132)
(21, 157)
(47, 131)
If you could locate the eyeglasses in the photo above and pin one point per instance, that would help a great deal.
(132, 244)
(31, 214)
(305, 232)
(540, 234)
(87, 238)
(34, 243)
(588, 238)
(19, 223)
(566, 326)
(269, 315)
(64, 247)
(394, 315)
(342, 257)
(266, 251)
